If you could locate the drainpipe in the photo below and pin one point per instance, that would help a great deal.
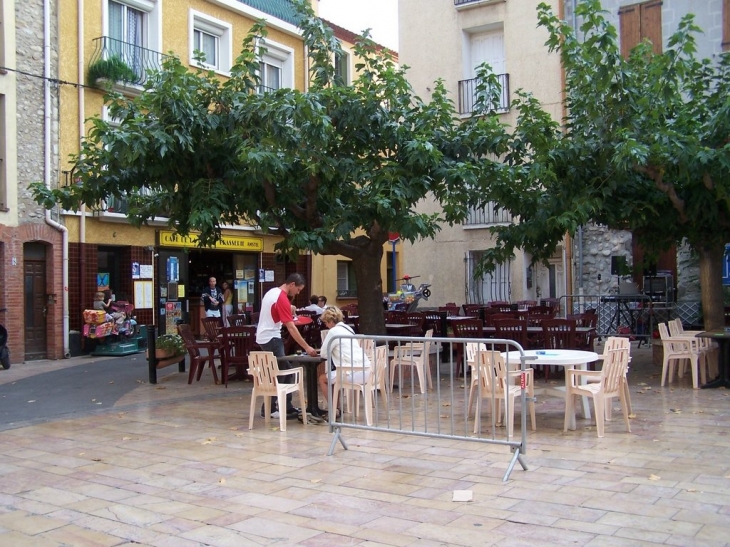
(81, 78)
(47, 166)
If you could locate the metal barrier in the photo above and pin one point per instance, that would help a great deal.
(440, 412)
(637, 312)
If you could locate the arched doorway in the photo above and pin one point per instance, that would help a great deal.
(34, 301)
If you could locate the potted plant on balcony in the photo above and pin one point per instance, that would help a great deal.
(112, 69)
(169, 345)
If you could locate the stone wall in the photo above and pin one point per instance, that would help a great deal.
(599, 245)
(30, 113)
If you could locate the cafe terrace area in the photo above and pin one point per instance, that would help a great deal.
(175, 464)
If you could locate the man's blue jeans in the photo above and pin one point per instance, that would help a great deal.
(276, 346)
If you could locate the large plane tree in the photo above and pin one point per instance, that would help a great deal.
(332, 169)
(645, 147)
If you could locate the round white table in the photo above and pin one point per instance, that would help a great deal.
(567, 358)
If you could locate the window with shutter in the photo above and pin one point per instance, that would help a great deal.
(726, 25)
(639, 22)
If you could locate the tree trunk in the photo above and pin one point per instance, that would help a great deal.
(370, 289)
(711, 258)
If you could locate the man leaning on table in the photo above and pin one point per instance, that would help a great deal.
(275, 312)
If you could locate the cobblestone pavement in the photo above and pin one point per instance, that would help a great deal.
(175, 465)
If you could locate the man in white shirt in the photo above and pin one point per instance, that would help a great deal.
(275, 312)
(314, 305)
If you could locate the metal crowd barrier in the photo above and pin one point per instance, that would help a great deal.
(637, 312)
(441, 412)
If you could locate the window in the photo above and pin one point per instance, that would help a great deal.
(211, 37)
(640, 21)
(490, 286)
(484, 47)
(489, 214)
(342, 68)
(132, 34)
(346, 284)
(276, 68)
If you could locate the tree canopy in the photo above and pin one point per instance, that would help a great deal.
(332, 169)
(643, 147)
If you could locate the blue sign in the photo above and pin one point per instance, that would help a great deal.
(173, 269)
(726, 266)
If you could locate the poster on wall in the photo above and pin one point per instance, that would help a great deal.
(241, 291)
(146, 271)
(135, 270)
(102, 281)
(173, 313)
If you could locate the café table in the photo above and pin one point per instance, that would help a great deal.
(310, 365)
(567, 358)
(722, 337)
(398, 329)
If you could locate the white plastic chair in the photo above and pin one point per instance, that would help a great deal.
(704, 347)
(374, 379)
(416, 355)
(494, 381)
(611, 383)
(675, 350)
(264, 368)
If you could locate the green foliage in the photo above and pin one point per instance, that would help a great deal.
(332, 170)
(113, 69)
(644, 147)
(173, 343)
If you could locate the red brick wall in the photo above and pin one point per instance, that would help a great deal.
(11, 282)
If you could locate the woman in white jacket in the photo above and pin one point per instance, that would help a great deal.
(341, 352)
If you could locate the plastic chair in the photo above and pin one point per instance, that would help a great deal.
(197, 359)
(704, 346)
(416, 355)
(374, 380)
(610, 382)
(675, 350)
(265, 371)
(512, 329)
(494, 382)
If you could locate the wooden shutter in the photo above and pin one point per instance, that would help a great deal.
(630, 23)
(726, 25)
(651, 24)
(639, 21)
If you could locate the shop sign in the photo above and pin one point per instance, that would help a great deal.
(229, 243)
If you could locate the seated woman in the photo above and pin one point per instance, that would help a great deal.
(341, 352)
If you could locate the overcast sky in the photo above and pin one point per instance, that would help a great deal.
(356, 15)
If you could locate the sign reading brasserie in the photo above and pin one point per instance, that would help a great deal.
(229, 243)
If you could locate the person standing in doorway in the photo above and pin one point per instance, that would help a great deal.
(275, 312)
(227, 301)
(212, 299)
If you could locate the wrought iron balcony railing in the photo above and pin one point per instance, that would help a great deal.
(468, 94)
(459, 3)
(133, 61)
(346, 293)
(489, 214)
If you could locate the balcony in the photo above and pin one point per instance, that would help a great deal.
(468, 94)
(116, 209)
(122, 62)
(489, 214)
(463, 4)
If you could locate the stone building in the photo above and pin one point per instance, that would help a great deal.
(31, 239)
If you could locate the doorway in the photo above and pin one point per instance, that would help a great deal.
(34, 301)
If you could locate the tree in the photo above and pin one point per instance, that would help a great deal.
(332, 170)
(644, 147)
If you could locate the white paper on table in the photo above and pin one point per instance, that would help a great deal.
(462, 495)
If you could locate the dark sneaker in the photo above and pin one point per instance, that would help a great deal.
(292, 413)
